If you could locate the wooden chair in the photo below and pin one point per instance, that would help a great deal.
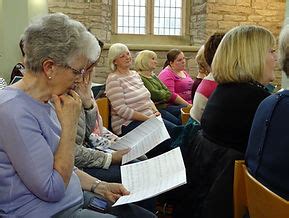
(185, 114)
(250, 195)
(104, 110)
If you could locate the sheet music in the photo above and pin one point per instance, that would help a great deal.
(154, 176)
(142, 139)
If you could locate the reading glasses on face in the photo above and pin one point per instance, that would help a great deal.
(81, 71)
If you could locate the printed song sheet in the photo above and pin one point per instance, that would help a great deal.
(142, 139)
(154, 176)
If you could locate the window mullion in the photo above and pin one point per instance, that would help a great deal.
(149, 16)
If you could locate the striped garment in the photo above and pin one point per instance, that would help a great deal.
(127, 94)
(2, 83)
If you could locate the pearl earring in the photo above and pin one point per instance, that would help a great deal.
(49, 77)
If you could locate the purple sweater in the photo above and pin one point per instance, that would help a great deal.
(29, 136)
(177, 85)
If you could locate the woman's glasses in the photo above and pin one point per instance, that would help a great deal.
(81, 71)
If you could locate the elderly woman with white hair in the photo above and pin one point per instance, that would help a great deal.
(130, 100)
(37, 173)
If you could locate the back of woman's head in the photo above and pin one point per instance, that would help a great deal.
(284, 48)
(171, 56)
(241, 54)
(211, 47)
(142, 60)
(114, 51)
(201, 61)
(59, 38)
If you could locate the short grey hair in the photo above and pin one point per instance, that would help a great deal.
(60, 38)
(284, 48)
(115, 50)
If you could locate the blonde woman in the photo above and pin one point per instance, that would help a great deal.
(208, 84)
(145, 64)
(203, 70)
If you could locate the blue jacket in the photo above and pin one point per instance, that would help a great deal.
(267, 155)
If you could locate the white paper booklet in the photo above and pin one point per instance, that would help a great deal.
(142, 139)
(146, 179)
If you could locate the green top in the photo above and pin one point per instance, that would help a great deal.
(160, 94)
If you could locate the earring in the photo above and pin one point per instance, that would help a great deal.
(49, 77)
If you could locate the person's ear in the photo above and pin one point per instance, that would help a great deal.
(48, 67)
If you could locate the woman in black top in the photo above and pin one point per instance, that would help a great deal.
(244, 62)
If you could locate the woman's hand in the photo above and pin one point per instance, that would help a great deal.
(117, 156)
(157, 113)
(83, 88)
(67, 108)
(111, 191)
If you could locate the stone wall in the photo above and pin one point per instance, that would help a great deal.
(221, 15)
(206, 17)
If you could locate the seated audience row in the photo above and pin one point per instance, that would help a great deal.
(130, 100)
(39, 153)
(145, 64)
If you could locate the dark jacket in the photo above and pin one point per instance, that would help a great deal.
(229, 113)
(226, 124)
(267, 155)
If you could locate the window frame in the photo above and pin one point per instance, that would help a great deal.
(149, 37)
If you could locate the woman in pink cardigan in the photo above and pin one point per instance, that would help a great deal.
(176, 78)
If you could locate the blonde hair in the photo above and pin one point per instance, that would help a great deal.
(201, 61)
(241, 55)
(114, 51)
(142, 60)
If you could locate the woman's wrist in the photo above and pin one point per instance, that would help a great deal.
(94, 185)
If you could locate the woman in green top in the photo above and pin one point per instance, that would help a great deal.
(145, 63)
